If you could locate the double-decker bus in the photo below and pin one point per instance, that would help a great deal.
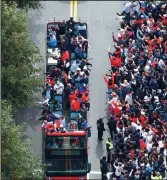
(65, 152)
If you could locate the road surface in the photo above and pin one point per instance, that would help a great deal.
(100, 17)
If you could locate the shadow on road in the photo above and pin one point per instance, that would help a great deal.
(28, 115)
(99, 149)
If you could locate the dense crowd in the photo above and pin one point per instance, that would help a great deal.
(67, 78)
(137, 94)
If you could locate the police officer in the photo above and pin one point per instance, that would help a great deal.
(100, 128)
(112, 126)
(103, 168)
(109, 147)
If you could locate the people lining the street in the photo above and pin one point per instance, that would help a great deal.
(137, 106)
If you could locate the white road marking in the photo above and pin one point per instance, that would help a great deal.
(93, 172)
(98, 172)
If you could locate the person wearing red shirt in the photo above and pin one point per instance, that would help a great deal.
(142, 144)
(72, 96)
(51, 81)
(109, 82)
(164, 20)
(75, 105)
(133, 118)
(84, 97)
(65, 55)
(142, 119)
(115, 60)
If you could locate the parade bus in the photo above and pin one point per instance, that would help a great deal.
(65, 152)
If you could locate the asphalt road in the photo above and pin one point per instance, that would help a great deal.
(100, 17)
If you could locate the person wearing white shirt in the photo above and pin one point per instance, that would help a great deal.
(118, 169)
(161, 63)
(80, 39)
(113, 100)
(137, 126)
(75, 65)
(160, 145)
(128, 98)
(59, 87)
(149, 137)
(128, 7)
(149, 146)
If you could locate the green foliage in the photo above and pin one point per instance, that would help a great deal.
(17, 161)
(18, 59)
(26, 4)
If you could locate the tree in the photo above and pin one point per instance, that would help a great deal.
(19, 57)
(26, 4)
(17, 161)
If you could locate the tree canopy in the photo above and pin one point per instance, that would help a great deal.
(18, 59)
(17, 161)
(19, 56)
(26, 4)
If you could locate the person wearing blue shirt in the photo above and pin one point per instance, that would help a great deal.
(83, 88)
(51, 41)
(84, 124)
(78, 52)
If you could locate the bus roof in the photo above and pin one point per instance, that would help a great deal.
(73, 133)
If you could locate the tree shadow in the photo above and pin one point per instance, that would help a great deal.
(28, 115)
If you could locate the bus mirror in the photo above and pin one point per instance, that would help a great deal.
(89, 168)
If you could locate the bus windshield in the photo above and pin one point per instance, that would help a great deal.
(62, 142)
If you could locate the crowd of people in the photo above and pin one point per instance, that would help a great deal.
(67, 81)
(137, 94)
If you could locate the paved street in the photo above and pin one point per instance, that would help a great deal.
(101, 21)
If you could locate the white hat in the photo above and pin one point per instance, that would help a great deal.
(156, 97)
(142, 113)
(78, 69)
(136, 70)
(82, 73)
(156, 101)
(146, 98)
(149, 62)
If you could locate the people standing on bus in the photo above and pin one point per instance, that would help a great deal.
(56, 73)
(100, 129)
(62, 30)
(70, 23)
(65, 55)
(80, 38)
(72, 126)
(59, 87)
(51, 41)
(103, 168)
(75, 105)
